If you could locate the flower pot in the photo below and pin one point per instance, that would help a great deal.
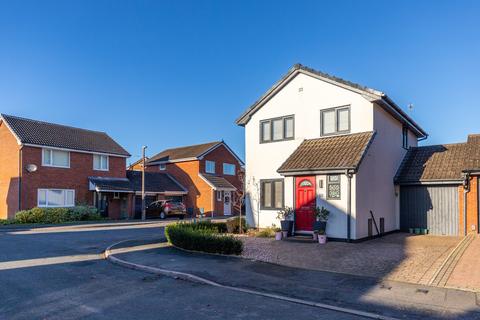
(287, 225)
(285, 234)
(410, 230)
(320, 225)
(315, 236)
(278, 235)
(417, 230)
(322, 239)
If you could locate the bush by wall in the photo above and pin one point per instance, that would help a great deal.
(57, 215)
(233, 225)
(202, 237)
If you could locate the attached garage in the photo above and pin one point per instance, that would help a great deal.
(438, 188)
(432, 207)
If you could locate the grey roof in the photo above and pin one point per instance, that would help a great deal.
(330, 153)
(372, 94)
(186, 152)
(156, 182)
(59, 136)
(111, 184)
(444, 162)
(218, 182)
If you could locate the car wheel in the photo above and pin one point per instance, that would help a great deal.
(162, 215)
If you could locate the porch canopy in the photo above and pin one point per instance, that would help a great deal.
(338, 153)
(155, 183)
(218, 183)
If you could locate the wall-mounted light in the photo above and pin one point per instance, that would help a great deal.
(31, 167)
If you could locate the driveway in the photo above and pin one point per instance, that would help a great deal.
(466, 273)
(60, 273)
(398, 256)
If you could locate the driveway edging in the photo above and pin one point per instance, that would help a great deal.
(196, 279)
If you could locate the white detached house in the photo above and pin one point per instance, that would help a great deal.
(317, 140)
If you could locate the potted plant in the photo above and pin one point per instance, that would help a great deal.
(284, 216)
(278, 233)
(321, 217)
(322, 237)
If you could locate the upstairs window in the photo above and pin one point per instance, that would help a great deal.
(162, 167)
(209, 166)
(405, 137)
(277, 129)
(336, 120)
(100, 162)
(55, 158)
(229, 169)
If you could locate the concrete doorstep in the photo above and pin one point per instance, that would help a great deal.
(354, 295)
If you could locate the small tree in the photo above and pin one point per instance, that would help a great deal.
(321, 214)
(285, 213)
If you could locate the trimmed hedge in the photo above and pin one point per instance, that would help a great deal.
(57, 215)
(202, 236)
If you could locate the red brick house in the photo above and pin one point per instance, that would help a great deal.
(51, 165)
(212, 173)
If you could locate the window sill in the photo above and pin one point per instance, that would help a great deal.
(104, 170)
(52, 166)
(273, 141)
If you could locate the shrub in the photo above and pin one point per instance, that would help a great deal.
(57, 215)
(203, 237)
(219, 227)
(233, 225)
(268, 232)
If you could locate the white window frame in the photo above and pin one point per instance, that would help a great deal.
(162, 166)
(207, 162)
(225, 164)
(101, 156)
(64, 191)
(51, 158)
(219, 195)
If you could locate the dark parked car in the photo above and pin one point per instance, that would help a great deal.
(166, 208)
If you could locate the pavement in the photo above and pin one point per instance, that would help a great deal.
(386, 298)
(60, 273)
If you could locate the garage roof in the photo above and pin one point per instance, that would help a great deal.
(444, 162)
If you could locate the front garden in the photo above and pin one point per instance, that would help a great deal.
(54, 215)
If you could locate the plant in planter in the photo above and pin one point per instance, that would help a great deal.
(278, 233)
(321, 218)
(286, 223)
(322, 237)
(315, 235)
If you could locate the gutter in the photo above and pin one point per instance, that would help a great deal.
(349, 174)
(466, 189)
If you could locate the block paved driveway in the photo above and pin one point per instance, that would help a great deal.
(398, 256)
(60, 274)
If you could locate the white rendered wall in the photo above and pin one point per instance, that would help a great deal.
(263, 160)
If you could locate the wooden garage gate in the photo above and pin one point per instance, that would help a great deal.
(434, 207)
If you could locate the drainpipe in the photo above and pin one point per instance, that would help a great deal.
(466, 189)
(349, 174)
(20, 162)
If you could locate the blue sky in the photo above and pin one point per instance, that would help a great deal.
(172, 73)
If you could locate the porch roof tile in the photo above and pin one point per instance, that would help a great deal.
(328, 153)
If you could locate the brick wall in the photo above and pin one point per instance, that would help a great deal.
(472, 207)
(75, 177)
(200, 194)
(9, 173)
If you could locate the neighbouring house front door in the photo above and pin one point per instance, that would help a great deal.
(305, 202)
(227, 203)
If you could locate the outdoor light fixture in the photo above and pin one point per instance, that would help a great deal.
(31, 167)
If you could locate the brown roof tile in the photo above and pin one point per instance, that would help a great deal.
(339, 152)
(183, 152)
(54, 135)
(218, 182)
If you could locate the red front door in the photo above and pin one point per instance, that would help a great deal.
(305, 203)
